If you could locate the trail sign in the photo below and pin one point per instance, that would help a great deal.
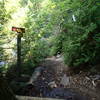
(18, 30)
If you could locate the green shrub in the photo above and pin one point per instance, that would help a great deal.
(57, 43)
(39, 50)
(82, 44)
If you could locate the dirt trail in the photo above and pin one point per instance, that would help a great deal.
(77, 82)
(52, 79)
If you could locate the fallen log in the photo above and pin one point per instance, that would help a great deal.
(34, 98)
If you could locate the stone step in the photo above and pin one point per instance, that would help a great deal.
(34, 98)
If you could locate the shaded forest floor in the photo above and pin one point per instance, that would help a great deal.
(83, 83)
(53, 79)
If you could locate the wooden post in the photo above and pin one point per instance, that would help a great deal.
(19, 54)
(20, 32)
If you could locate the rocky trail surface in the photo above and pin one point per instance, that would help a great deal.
(53, 80)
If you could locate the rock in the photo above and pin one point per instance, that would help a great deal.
(96, 84)
(96, 77)
(87, 78)
(52, 84)
(95, 80)
(36, 74)
(65, 81)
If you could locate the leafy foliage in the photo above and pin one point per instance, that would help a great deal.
(38, 51)
(78, 39)
(69, 27)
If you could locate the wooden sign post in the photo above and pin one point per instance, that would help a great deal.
(20, 32)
